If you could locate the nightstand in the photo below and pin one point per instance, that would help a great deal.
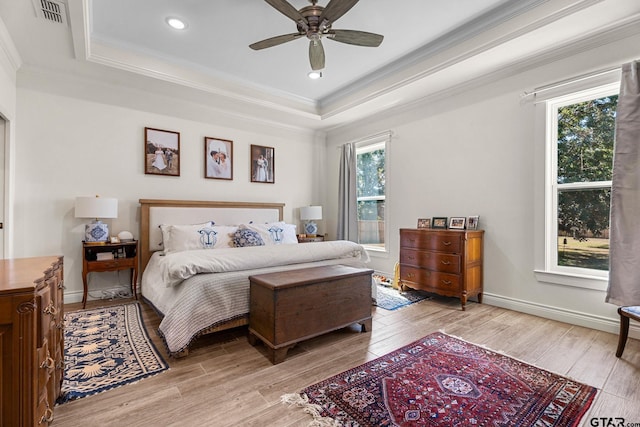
(307, 239)
(121, 256)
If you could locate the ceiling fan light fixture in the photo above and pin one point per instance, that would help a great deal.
(176, 23)
(314, 75)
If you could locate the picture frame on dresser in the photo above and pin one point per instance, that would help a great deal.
(424, 222)
(472, 222)
(161, 152)
(439, 222)
(457, 222)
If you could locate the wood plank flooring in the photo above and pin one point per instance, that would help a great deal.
(226, 382)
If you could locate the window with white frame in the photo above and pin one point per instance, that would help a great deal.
(579, 145)
(371, 180)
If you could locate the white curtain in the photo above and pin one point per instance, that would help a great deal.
(347, 202)
(624, 265)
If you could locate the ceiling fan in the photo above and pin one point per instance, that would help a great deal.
(315, 22)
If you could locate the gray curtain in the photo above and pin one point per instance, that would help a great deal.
(624, 266)
(347, 203)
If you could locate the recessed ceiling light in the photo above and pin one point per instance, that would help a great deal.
(176, 23)
(314, 75)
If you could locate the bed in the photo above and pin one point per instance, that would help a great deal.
(197, 256)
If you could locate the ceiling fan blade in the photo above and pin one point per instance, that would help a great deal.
(286, 9)
(316, 54)
(335, 9)
(274, 41)
(358, 38)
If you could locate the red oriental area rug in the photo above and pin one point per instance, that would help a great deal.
(441, 380)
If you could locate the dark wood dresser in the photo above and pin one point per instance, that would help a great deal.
(445, 262)
(31, 339)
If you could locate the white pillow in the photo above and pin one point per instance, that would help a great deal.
(197, 236)
(275, 233)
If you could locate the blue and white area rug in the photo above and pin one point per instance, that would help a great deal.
(106, 348)
(392, 299)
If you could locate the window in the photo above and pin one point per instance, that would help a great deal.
(371, 178)
(580, 139)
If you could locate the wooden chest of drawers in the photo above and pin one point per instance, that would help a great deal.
(31, 339)
(291, 306)
(445, 262)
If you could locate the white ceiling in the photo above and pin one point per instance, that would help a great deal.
(428, 46)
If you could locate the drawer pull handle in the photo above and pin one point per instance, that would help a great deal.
(411, 257)
(446, 282)
(50, 309)
(412, 240)
(446, 262)
(446, 243)
(410, 275)
(47, 417)
(48, 363)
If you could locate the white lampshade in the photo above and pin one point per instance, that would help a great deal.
(310, 213)
(96, 207)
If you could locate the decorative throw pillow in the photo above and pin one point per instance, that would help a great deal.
(197, 236)
(275, 233)
(244, 237)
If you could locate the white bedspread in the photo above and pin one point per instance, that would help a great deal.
(196, 290)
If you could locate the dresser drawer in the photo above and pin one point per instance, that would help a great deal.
(434, 261)
(443, 283)
(443, 241)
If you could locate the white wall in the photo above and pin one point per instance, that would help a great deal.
(474, 153)
(82, 145)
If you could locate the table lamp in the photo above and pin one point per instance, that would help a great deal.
(309, 214)
(96, 207)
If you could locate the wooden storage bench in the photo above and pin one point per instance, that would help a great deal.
(291, 306)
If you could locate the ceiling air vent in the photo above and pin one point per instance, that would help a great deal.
(54, 11)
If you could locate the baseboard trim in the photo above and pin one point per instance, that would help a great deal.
(599, 323)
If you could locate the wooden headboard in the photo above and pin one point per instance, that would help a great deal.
(156, 212)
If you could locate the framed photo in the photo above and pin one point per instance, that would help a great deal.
(472, 222)
(457, 223)
(218, 158)
(161, 152)
(262, 164)
(439, 222)
(424, 222)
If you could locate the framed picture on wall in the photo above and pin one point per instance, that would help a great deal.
(457, 223)
(439, 222)
(263, 164)
(161, 152)
(218, 158)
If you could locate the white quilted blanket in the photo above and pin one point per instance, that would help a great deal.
(195, 290)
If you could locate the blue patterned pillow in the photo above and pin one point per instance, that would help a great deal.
(244, 237)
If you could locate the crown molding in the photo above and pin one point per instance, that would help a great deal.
(10, 58)
(481, 35)
(630, 27)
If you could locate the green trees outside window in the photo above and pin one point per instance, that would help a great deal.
(584, 168)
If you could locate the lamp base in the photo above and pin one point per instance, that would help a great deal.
(311, 228)
(96, 233)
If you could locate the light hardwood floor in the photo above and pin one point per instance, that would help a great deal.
(226, 382)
